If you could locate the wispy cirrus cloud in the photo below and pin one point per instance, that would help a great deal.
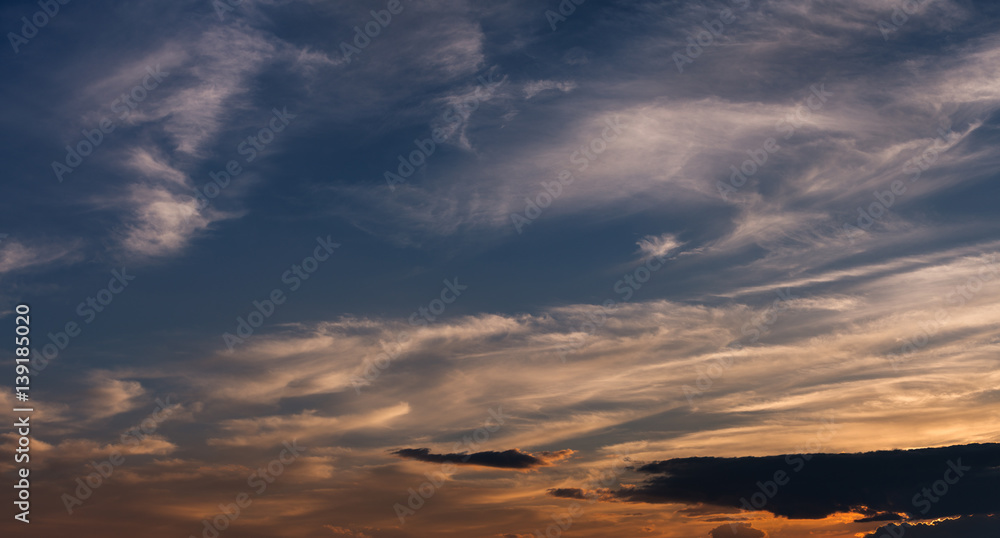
(653, 246)
(15, 255)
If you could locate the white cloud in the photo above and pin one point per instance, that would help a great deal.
(273, 430)
(653, 246)
(15, 255)
(108, 396)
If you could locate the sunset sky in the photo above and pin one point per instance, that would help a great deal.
(505, 269)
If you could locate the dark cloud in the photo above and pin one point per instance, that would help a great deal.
(915, 482)
(887, 516)
(593, 495)
(507, 459)
(949, 528)
(736, 530)
(567, 493)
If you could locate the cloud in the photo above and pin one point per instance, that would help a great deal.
(819, 485)
(79, 450)
(591, 495)
(15, 255)
(737, 530)
(535, 87)
(206, 87)
(217, 66)
(567, 493)
(205, 77)
(977, 525)
(275, 429)
(162, 222)
(342, 531)
(799, 199)
(507, 459)
(653, 246)
(806, 363)
(885, 516)
(462, 103)
(164, 217)
(108, 397)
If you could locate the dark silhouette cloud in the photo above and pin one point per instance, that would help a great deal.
(973, 526)
(567, 493)
(507, 459)
(887, 516)
(736, 530)
(925, 483)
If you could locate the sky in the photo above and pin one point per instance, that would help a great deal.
(508, 269)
